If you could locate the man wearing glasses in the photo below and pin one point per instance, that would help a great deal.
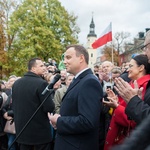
(137, 109)
(146, 47)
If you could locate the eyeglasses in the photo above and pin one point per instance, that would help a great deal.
(144, 47)
(130, 66)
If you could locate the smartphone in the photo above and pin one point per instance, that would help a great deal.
(108, 87)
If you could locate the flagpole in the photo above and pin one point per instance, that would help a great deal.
(112, 50)
(112, 53)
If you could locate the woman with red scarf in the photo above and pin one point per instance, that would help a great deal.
(121, 125)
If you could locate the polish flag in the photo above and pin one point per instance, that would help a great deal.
(105, 37)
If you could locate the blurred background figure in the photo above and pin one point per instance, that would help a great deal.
(8, 112)
(3, 136)
(96, 70)
(115, 72)
(10, 83)
(3, 86)
(124, 74)
(60, 93)
(105, 75)
(63, 74)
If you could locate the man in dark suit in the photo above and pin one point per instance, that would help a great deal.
(78, 123)
(26, 98)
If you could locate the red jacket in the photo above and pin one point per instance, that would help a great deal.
(120, 125)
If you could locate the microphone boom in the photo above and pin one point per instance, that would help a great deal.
(50, 86)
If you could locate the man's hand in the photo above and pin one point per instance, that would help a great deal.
(125, 90)
(53, 119)
(7, 117)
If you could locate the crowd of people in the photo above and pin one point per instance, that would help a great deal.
(102, 109)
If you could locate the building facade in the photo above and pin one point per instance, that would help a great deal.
(133, 48)
(91, 37)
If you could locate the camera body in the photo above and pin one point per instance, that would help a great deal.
(11, 113)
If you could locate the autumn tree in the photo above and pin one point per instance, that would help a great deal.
(2, 45)
(39, 28)
(111, 54)
(118, 42)
(6, 7)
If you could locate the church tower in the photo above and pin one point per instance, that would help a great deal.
(91, 37)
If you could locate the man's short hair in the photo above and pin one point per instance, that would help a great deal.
(32, 62)
(80, 50)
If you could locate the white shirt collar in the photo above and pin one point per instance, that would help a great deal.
(80, 72)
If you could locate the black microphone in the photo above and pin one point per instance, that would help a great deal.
(50, 86)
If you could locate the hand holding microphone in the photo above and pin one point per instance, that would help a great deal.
(50, 86)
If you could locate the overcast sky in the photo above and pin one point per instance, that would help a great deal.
(130, 16)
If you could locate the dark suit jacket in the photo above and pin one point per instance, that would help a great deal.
(78, 126)
(26, 97)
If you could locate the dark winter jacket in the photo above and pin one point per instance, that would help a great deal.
(137, 109)
(26, 97)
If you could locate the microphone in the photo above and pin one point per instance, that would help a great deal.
(50, 86)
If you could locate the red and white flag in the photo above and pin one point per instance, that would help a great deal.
(105, 37)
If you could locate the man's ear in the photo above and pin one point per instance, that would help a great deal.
(82, 58)
(33, 69)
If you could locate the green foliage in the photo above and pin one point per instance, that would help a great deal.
(39, 28)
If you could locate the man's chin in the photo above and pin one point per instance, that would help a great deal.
(67, 69)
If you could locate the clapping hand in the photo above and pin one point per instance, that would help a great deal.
(113, 99)
(125, 90)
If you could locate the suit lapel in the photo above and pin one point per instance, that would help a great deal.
(77, 80)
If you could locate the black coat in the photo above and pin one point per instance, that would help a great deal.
(138, 109)
(26, 97)
(78, 126)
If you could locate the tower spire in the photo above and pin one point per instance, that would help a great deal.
(92, 28)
